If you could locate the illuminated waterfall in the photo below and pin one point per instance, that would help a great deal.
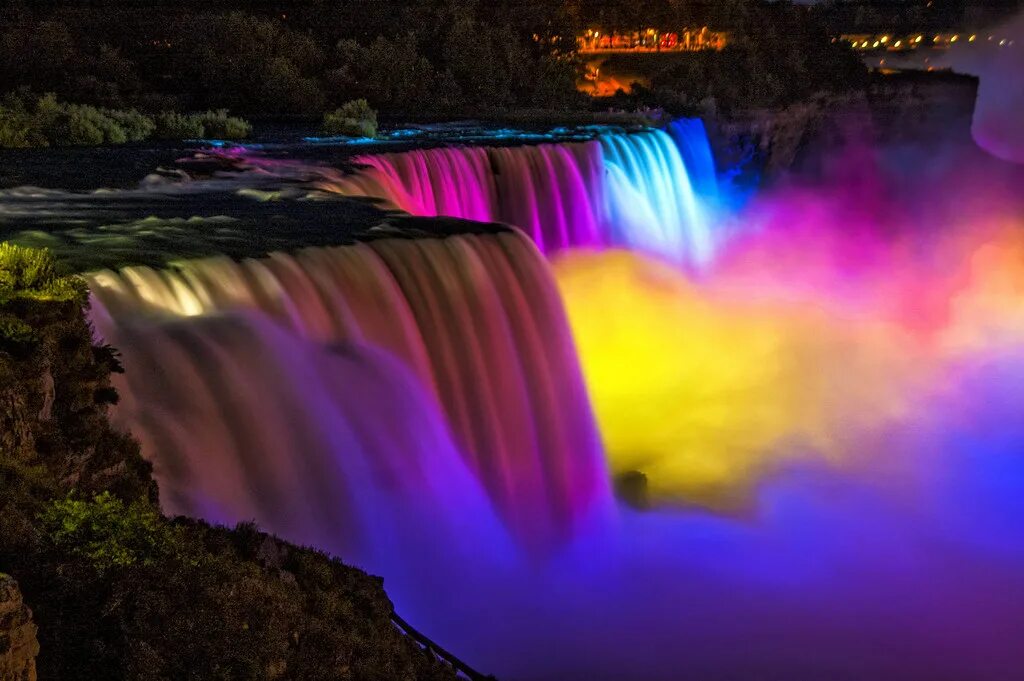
(633, 190)
(691, 139)
(475, 318)
(245, 421)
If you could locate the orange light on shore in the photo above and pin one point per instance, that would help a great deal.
(651, 40)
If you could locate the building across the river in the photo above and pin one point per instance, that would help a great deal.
(651, 40)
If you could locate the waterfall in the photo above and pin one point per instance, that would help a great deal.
(244, 421)
(632, 190)
(691, 138)
(651, 205)
(474, 321)
(252, 384)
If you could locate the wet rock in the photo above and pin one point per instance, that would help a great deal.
(18, 644)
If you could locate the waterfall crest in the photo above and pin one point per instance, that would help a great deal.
(632, 190)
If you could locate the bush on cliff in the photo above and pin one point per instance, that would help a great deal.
(19, 127)
(31, 272)
(217, 124)
(137, 127)
(48, 122)
(353, 119)
(220, 125)
(132, 595)
(171, 125)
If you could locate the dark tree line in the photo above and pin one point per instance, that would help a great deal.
(405, 57)
(296, 57)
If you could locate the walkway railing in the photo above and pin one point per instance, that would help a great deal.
(440, 653)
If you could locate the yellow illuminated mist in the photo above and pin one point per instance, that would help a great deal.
(705, 392)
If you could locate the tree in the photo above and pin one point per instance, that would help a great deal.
(238, 61)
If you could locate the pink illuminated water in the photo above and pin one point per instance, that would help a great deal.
(630, 190)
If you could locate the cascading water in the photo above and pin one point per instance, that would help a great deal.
(634, 190)
(415, 406)
(691, 138)
(245, 421)
(475, 318)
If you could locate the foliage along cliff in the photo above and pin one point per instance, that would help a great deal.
(117, 590)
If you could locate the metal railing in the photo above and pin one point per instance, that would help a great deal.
(437, 651)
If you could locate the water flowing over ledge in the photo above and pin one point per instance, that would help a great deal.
(475, 321)
(650, 190)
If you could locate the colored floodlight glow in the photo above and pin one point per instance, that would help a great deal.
(671, 368)
(696, 383)
(637, 190)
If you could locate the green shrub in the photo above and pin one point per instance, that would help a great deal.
(222, 126)
(137, 126)
(51, 122)
(14, 331)
(176, 126)
(75, 124)
(353, 119)
(108, 533)
(25, 268)
(19, 127)
(32, 273)
(87, 117)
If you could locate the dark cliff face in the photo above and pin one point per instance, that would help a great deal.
(924, 110)
(117, 590)
(54, 395)
(922, 107)
(18, 644)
